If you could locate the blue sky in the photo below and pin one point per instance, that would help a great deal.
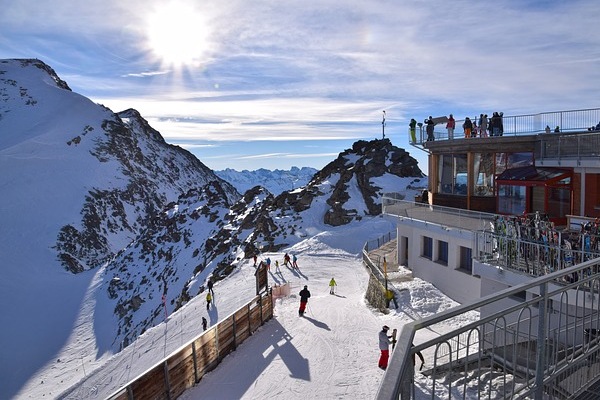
(272, 84)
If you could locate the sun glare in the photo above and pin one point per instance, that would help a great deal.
(178, 34)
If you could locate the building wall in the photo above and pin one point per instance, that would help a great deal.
(456, 282)
(592, 195)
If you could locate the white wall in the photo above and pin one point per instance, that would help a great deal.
(459, 285)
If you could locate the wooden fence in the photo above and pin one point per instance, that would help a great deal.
(185, 367)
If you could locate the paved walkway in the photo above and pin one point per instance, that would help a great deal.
(396, 272)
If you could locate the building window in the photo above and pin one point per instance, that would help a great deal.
(483, 165)
(427, 247)
(466, 262)
(442, 253)
(512, 199)
(453, 174)
(520, 296)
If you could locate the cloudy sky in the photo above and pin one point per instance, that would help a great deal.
(271, 84)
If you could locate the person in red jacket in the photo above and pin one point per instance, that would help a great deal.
(450, 126)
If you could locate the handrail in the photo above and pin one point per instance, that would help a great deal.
(548, 372)
(526, 124)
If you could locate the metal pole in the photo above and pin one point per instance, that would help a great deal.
(541, 342)
(383, 125)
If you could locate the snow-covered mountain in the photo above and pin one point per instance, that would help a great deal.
(276, 181)
(101, 218)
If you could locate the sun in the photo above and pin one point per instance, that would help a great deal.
(178, 34)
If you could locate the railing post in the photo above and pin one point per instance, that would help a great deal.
(541, 343)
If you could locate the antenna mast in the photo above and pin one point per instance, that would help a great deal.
(383, 125)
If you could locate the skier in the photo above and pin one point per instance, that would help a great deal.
(209, 284)
(255, 259)
(304, 296)
(277, 266)
(384, 346)
(208, 300)
(268, 260)
(286, 260)
(332, 285)
(294, 263)
(204, 323)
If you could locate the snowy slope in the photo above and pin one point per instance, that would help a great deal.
(330, 353)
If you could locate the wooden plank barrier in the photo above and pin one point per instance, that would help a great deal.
(185, 367)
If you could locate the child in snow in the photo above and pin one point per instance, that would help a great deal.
(332, 285)
(204, 323)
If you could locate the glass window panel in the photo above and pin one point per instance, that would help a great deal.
(515, 160)
(483, 166)
(512, 199)
(460, 174)
(446, 164)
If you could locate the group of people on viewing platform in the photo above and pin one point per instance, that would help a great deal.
(482, 126)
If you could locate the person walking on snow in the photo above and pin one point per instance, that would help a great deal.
(209, 284)
(268, 260)
(255, 259)
(208, 300)
(277, 266)
(204, 323)
(286, 260)
(304, 296)
(332, 285)
(294, 263)
(384, 346)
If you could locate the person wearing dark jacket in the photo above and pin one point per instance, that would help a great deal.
(304, 296)
(429, 129)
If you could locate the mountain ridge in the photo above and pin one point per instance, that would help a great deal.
(130, 219)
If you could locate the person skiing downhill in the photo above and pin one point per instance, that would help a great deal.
(294, 263)
(304, 296)
(332, 285)
(286, 260)
(384, 346)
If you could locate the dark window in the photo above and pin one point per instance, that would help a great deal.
(442, 252)
(427, 247)
(465, 262)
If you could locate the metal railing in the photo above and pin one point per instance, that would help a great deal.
(436, 215)
(539, 339)
(526, 124)
(536, 257)
(569, 146)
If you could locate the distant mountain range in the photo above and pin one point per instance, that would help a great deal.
(100, 214)
(276, 181)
